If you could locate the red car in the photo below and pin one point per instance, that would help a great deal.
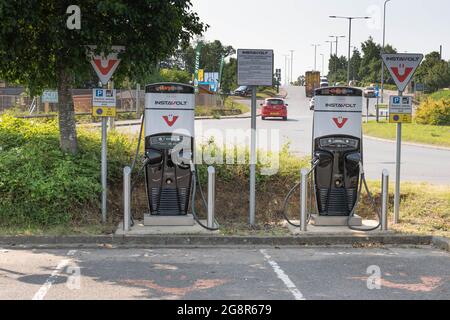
(274, 108)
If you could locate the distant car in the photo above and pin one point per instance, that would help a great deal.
(323, 79)
(243, 91)
(274, 108)
(324, 84)
(369, 92)
(311, 103)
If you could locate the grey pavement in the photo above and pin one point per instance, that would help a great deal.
(226, 274)
(419, 164)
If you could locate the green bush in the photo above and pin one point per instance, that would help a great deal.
(41, 185)
(434, 112)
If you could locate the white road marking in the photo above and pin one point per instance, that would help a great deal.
(283, 277)
(40, 295)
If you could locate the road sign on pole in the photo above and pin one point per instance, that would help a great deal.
(402, 67)
(400, 109)
(105, 66)
(104, 103)
(255, 68)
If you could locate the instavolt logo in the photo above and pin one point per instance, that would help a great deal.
(171, 103)
(341, 105)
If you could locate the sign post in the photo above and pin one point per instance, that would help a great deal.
(104, 106)
(255, 68)
(402, 67)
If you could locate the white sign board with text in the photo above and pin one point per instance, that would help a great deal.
(255, 67)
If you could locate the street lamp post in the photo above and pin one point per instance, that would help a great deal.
(323, 62)
(315, 55)
(286, 80)
(382, 51)
(292, 64)
(331, 47)
(350, 19)
(337, 42)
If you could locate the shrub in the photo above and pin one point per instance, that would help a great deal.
(41, 185)
(434, 112)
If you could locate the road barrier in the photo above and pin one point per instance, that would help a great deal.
(384, 200)
(211, 197)
(126, 199)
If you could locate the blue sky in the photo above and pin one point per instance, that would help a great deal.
(411, 26)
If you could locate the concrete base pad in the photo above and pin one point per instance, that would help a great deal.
(163, 221)
(314, 229)
(139, 229)
(324, 221)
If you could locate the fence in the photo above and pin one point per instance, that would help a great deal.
(82, 98)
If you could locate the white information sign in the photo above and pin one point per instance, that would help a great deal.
(255, 67)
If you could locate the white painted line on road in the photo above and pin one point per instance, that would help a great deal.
(40, 295)
(283, 277)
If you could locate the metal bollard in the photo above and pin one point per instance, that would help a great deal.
(126, 198)
(211, 196)
(303, 197)
(384, 200)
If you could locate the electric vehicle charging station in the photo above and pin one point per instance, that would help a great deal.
(337, 150)
(169, 145)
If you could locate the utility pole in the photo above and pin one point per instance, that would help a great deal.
(382, 51)
(350, 19)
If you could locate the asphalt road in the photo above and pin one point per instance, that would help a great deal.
(226, 274)
(419, 164)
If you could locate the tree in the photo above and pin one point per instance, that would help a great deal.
(210, 59)
(434, 72)
(37, 49)
(229, 76)
(338, 69)
(370, 70)
(355, 65)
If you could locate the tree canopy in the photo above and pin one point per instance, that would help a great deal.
(434, 72)
(364, 66)
(38, 50)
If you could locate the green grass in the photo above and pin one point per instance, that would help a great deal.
(232, 107)
(425, 134)
(266, 93)
(425, 209)
(70, 205)
(442, 94)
